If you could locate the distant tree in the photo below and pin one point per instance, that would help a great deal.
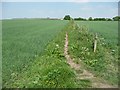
(95, 19)
(117, 18)
(80, 19)
(108, 19)
(103, 19)
(99, 19)
(84, 19)
(90, 19)
(67, 17)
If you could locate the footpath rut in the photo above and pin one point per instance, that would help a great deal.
(96, 82)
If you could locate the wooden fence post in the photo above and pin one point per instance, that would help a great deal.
(95, 42)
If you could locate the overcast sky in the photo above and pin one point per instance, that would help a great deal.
(75, 8)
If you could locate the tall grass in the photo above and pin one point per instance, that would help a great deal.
(49, 70)
(104, 61)
(107, 29)
(25, 40)
(0, 54)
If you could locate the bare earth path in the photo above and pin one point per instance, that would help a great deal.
(96, 82)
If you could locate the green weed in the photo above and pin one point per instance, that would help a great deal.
(81, 43)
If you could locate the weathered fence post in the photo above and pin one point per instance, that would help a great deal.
(95, 42)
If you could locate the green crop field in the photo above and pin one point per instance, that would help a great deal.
(33, 53)
(59, 45)
(107, 29)
(23, 41)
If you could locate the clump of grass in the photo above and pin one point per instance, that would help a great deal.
(84, 83)
(79, 71)
(81, 43)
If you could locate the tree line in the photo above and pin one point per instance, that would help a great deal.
(68, 17)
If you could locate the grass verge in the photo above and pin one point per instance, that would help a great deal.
(103, 63)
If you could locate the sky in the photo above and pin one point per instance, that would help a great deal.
(59, 0)
(76, 8)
